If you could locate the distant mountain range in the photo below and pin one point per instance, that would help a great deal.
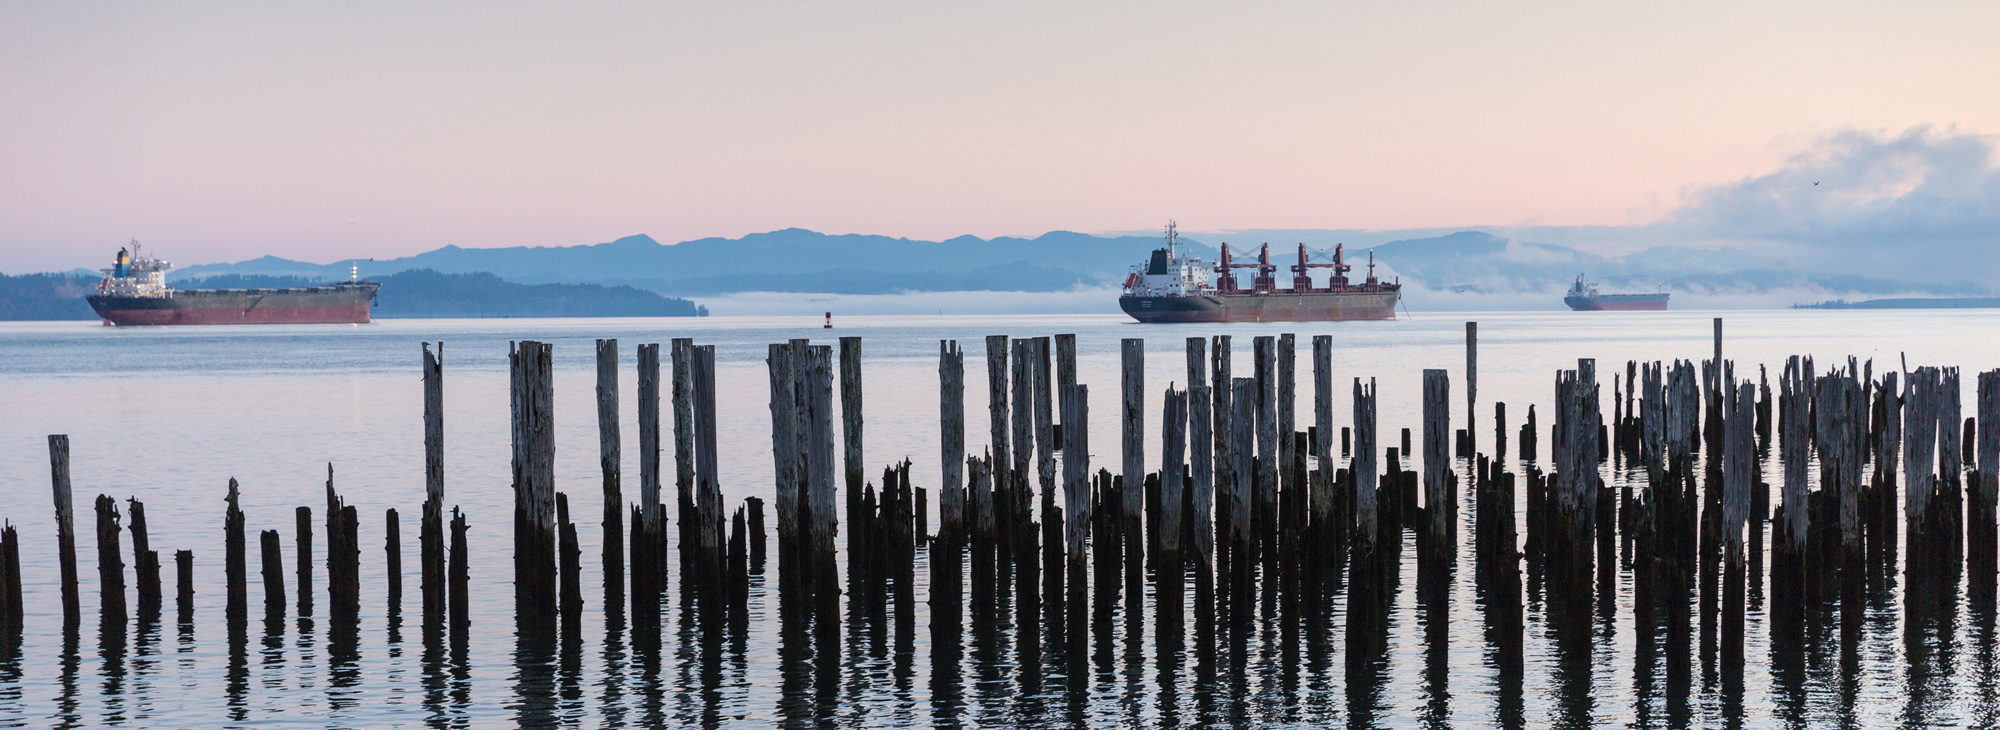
(802, 261)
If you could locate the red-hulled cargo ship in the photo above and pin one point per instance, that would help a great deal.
(1174, 286)
(135, 292)
(1584, 297)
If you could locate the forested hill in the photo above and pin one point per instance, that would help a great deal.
(416, 293)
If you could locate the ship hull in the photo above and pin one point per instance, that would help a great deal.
(1273, 307)
(321, 305)
(1618, 303)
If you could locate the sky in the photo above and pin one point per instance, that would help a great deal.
(224, 131)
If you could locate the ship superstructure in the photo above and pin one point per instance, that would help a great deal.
(1176, 286)
(134, 291)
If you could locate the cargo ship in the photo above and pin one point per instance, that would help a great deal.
(1584, 297)
(1176, 286)
(135, 292)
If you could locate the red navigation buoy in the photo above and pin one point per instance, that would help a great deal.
(829, 321)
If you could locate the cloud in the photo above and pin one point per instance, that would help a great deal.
(1922, 204)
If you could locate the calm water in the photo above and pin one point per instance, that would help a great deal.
(168, 415)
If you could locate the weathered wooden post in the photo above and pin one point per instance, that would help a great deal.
(1076, 509)
(1284, 425)
(343, 556)
(393, 547)
(1245, 510)
(1789, 547)
(1173, 447)
(996, 411)
(274, 576)
(302, 522)
(431, 532)
(850, 432)
(1132, 430)
(1201, 473)
(232, 561)
(183, 584)
(1739, 477)
(65, 527)
(708, 494)
(1045, 473)
(457, 577)
(756, 536)
(1439, 505)
(145, 562)
(951, 442)
(1325, 532)
(1981, 537)
(1364, 467)
(534, 486)
(823, 524)
(1471, 386)
(687, 521)
(609, 455)
(648, 543)
(11, 610)
(110, 566)
(569, 561)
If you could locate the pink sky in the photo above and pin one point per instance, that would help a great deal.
(223, 131)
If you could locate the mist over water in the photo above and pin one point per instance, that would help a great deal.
(169, 415)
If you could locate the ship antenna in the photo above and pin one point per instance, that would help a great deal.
(354, 270)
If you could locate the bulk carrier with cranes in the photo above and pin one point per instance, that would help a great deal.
(1176, 286)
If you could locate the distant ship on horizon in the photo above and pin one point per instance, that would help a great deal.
(1175, 286)
(135, 292)
(1584, 297)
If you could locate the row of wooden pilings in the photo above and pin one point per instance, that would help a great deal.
(1270, 521)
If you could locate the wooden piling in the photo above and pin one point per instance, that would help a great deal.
(823, 523)
(708, 489)
(1440, 507)
(11, 610)
(755, 506)
(781, 362)
(1173, 447)
(534, 485)
(302, 551)
(392, 547)
(1364, 466)
(238, 601)
(65, 527)
(183, 584)
(687, 521)
(1132, 430)
(274, 576)
(1471, 386)
(609, 463)
(110, 565)
(343, 557)
(850, 432)
(145, 562)
(431, 532)
(569, 558)
(1982, 542)
(458, 576)
(951, 441)
(1076, 510)
(1325, 532)
(996, 411)
(1739, 477)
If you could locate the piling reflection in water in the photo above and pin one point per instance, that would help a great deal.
(1646, 532)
